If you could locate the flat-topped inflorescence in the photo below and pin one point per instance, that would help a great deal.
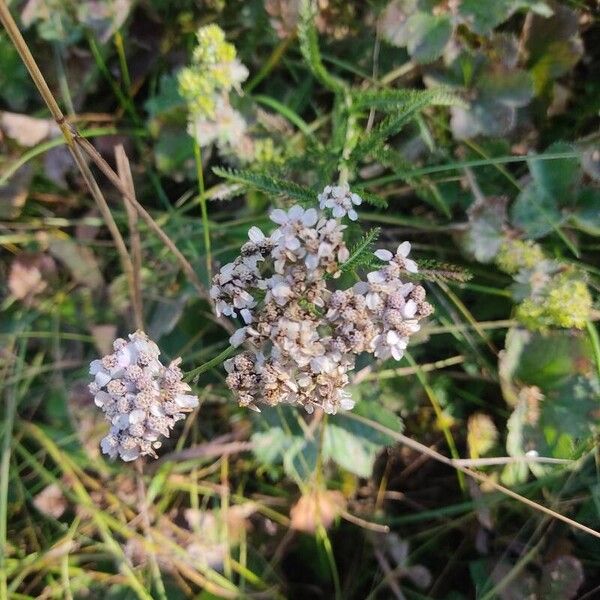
(303, 337)
(140, 397)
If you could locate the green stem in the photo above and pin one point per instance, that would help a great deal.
(203, 208)
(217, 360)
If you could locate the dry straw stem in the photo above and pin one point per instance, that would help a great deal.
(76, 143)
(38, 78)
(459, 466)
(124, 171)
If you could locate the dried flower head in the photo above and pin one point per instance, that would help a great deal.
(140, 397)
(303, 337)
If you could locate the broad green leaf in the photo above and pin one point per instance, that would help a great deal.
(485, 234)
(536, 212)
(511, 88)
(586, 215)
(556, 178)
(427, 36)
(354, 445)
(483, 17)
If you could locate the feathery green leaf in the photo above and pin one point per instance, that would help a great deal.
(267, 183)
(309, 46)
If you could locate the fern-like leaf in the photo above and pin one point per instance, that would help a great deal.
(369, 197)
(309, 46)
(268, 184)
(394, 122)
(361, 254)
(393, 100)
(432, 270)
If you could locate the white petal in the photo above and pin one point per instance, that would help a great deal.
(352, 215)
(338, 211)
(403, 249)
(384, 255)
(410, 309)
(238, 338)
(343, 254)
(372, 301)
(397, 353)
(256, 235)
(96, 367)
(129, 455)
(101, 398)
(292, 243)
(278, 216)
(310, 217)
(312, 262)
(102, 378)
(392, 338)
(356, 199)
(137, 416)
(295, 212)
(376, 277)
(186, 401)
(411, 265)
(246, 315)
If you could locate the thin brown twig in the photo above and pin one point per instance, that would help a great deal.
(423, 449)
(76, 143)
(66, 129)
(124, 171)
(96, 157)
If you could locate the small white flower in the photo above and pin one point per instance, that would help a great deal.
(400, 258)
(340, 200)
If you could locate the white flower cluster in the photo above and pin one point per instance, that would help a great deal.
(302, 337)
(140, 397)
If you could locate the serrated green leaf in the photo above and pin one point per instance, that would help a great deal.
(354, 445)
(362, 251)
(309, 46)
(393, 123)
(390, 100)
(268, 184)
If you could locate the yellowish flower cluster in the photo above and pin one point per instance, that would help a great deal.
(214, 71)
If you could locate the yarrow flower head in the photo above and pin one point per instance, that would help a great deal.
(208, 85)
(303, 335)
(215, 70)
(140, 397)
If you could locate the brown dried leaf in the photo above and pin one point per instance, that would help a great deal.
(103, 337)
(51, 501)
(80, 260)
(28, 273)
(27, 131)
(316, 508)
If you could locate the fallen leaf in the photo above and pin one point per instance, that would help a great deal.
(80, 260)
(27, 275)
(103, 338)
(27, 131)
(51, 501)
(316, 508)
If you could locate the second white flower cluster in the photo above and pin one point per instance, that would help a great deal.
(303, 337)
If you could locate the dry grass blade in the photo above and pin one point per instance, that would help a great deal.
(124, 170)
